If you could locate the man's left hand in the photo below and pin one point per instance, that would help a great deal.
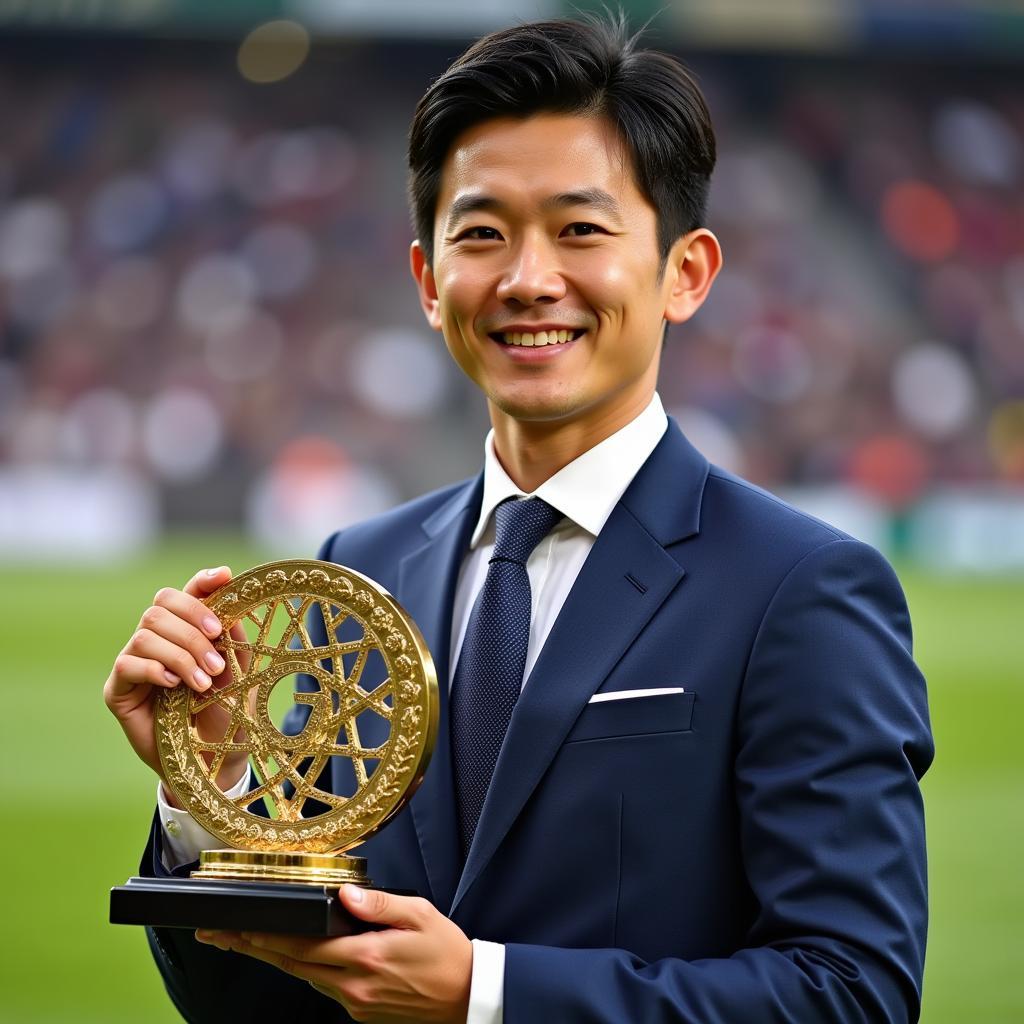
(418, 968)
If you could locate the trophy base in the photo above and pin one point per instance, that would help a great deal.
(248, 890)
(230, 906)
(233, 905)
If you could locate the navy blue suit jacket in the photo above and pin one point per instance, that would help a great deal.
(750, 850)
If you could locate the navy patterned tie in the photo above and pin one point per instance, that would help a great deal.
(489, 674)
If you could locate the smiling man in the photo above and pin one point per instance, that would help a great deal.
(681, 731)
(546, 278)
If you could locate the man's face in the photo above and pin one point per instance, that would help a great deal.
(541, 231)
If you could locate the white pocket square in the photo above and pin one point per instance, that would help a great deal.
(631, 694)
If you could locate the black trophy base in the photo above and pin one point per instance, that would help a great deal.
(234, 906)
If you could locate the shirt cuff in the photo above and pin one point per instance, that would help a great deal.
(487, 987)
(184, 837)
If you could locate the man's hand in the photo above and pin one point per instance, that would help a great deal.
(173, 646)
(417, 969)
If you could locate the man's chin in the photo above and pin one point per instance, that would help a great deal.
(536, 408)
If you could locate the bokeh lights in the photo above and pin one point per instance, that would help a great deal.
(213, 268)
(920, 221)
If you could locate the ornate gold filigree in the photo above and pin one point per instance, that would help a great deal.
(288, 767)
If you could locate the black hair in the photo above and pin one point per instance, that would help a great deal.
(573, 67)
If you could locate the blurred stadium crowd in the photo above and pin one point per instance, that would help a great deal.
(203, 280)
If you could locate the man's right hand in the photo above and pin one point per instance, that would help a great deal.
(173, 646)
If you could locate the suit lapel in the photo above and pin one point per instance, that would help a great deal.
(426, 588)
(625, 579)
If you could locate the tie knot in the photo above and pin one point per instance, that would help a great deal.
(519, 526)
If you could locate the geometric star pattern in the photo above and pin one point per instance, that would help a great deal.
(288, 767)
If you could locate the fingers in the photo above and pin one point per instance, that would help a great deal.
(174, 643)
(358, 952)
(386, 908)
(206, 581)
(177, 631)
(188, 608)
(183, 622)
(292, 949)
(171, 649)
(189, 605)
(421, 972)
(268, 950)
(131, 670)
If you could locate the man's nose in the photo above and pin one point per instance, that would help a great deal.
(534, 275)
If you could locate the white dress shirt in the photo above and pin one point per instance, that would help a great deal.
(585, 492)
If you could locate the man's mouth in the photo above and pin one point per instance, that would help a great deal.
(538, 339)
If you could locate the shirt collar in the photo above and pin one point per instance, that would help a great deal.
(588, 488)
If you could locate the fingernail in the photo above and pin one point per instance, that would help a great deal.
(211, 624)
(213, 572)
(203, 681)
(202, 935)
(171, 677)
(215, 661)
(355, 894)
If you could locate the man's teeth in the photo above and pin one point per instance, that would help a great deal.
(540, 338)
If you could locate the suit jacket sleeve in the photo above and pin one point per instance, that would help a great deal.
(833, 737)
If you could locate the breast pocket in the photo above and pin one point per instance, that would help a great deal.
(634, 716)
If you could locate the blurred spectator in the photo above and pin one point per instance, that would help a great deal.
(200, 275)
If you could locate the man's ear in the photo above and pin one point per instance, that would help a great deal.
(423, 275)
(692, 266)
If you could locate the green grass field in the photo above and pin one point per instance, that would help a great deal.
(76, 805)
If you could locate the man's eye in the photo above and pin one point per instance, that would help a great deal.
(480, 234)
(581, 229)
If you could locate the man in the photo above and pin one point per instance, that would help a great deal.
(704, 804)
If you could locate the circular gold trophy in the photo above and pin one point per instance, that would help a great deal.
(330, 694)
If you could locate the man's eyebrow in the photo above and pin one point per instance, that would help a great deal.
(466, 204)
(596, 198)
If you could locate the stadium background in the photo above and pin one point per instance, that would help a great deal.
(210, 352)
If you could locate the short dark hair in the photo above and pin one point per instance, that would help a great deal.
(573, 67)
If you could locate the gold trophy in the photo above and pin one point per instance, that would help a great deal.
(342, 770)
